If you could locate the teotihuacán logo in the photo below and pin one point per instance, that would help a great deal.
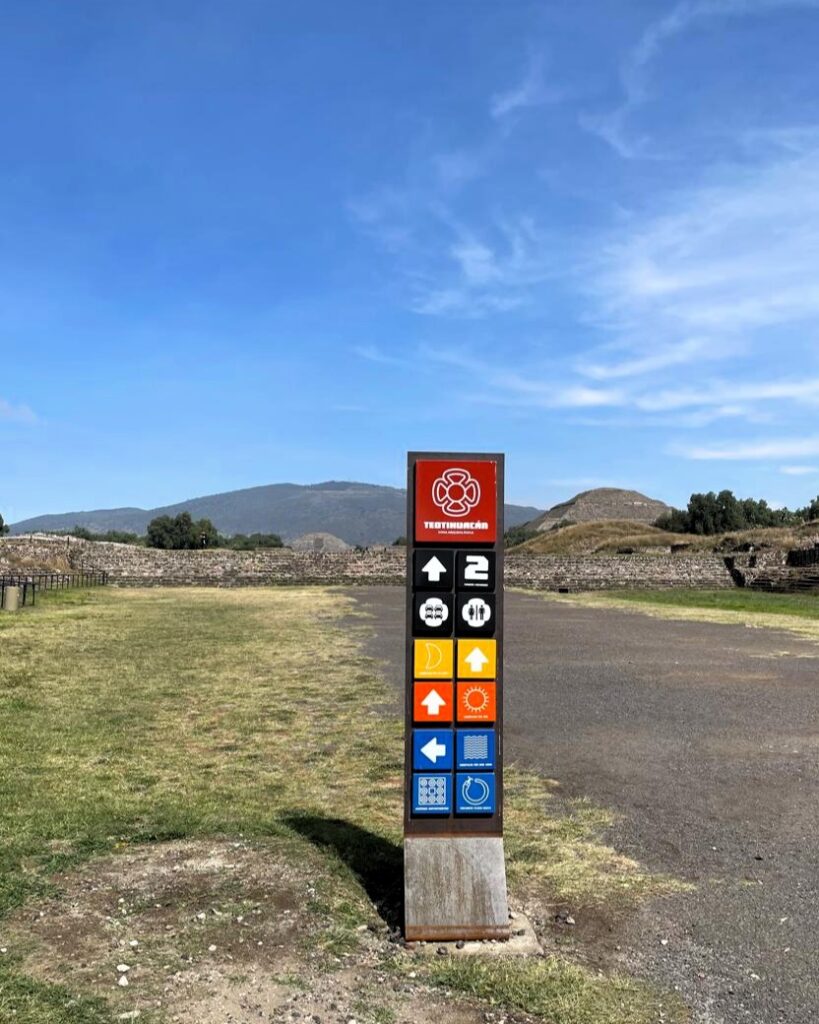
(456, 492)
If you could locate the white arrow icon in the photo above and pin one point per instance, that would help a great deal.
(434, 569)
(476, 659)
(433, 750)
(433, 702)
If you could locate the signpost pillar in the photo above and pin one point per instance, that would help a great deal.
(454, 868)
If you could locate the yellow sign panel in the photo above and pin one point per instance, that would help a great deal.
(477, 659)
(434, 659)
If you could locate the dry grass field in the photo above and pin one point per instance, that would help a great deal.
(200, 806)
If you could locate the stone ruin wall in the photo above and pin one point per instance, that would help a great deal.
(144, 567)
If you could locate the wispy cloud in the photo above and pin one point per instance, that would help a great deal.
(613, 126)
(486, 275)
(766, 449)
(16, 413)
(373, 354)
(674, 354)
(698, 308)
(531, 91)
(727, 391)
(451, 269)
(727, 257)
(799, 470)
(723, 272)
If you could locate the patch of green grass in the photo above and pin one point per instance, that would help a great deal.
(555, 990)
(796, 613)
(754, 602)
(26, 1001)
(561, 853)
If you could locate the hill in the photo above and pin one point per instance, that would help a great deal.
(358, 513)
(602, 503)
(606, 538)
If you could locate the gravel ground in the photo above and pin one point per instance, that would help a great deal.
(703, 738)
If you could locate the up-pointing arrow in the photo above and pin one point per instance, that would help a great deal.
(433, 750)
(434, 569)
(433, 702)
(476, 659)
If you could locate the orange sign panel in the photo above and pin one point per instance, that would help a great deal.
(477, 659)
(433, 659)
(432, 702)
(476, 702)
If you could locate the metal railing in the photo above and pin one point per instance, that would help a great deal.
(32, 583)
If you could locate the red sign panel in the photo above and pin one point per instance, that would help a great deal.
(456, 501)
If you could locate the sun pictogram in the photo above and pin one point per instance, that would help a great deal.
(476, 699)
(456, 492)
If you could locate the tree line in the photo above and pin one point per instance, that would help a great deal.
(712, 513)
(183, 533)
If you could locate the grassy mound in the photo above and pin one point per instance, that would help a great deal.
(611, 536)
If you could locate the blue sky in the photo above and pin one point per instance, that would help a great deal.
(249, 242)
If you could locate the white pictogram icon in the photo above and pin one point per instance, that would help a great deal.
(433, 702)
(476, 699)
(433, 750)
(434, 569)
(475, 791)
(433, 612)
(476, 612)
(476, 659)
(476, 569)
(476, 748)
(434, 657)
(432, 791)
(456, 492)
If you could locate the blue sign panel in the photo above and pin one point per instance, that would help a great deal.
(475, 793)
(431, 750)
(431, 794)
(475, 749)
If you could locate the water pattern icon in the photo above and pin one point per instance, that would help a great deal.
(476, 748)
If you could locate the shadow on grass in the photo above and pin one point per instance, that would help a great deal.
(376, 862)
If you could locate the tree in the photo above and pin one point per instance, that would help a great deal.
(675, 521)
(116, 536)
(810, 511)
(242, 542)
(712, 513)
(181, 533)
(204, 534)
(3, 527)
(161, 533)
(517, 535)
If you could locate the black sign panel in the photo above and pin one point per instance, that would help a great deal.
(433, 614)
(454, 694)
(475, 615)
(434, 570)
(476, 570)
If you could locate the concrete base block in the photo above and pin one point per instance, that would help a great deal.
(11, 599)
(455, 888)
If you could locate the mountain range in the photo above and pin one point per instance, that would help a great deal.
(362, 514)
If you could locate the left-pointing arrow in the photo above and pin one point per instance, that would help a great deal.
(433, 750)
(434, 569)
